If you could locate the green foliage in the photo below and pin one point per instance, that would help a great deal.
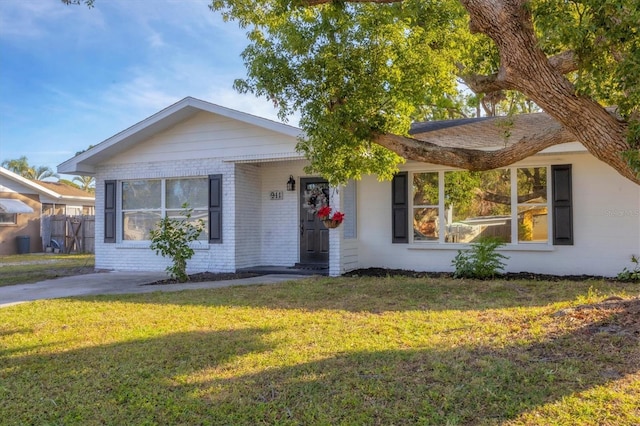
(22, 167)
(480, 261)
(629, 275)
(353, 70)
(603, 34)
(171, 238)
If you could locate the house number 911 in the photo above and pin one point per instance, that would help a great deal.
(275, 195)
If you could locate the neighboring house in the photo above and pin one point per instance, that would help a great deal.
(24, 201)
(561, 211)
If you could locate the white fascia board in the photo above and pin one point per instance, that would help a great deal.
(82, 200)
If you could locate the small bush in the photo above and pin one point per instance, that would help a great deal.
(631, 275)
(171, 238)
(480, 261)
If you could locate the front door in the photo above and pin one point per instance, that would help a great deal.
(314, 237)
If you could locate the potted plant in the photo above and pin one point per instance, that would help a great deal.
(330, 220)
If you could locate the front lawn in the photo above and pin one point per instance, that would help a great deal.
(329, 351)
(30, 268)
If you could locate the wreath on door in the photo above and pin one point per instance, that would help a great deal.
(315, 199)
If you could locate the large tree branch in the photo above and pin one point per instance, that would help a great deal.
(430, 152)
(562, 62)
(526, 67)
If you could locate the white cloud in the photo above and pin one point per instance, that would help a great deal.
(27, 19)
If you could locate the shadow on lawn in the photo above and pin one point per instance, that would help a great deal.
(188, 378)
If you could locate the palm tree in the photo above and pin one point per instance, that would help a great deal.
(21, 167)
(85, 183)
(18, 166)
(42, 172)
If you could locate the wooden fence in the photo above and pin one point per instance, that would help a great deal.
(71, 234)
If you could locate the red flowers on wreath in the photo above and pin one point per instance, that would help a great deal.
(324, 213)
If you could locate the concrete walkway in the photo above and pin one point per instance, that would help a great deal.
(117, 283)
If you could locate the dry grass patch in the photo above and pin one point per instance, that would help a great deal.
(329, 351)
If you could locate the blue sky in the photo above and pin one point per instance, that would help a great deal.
(71, 76)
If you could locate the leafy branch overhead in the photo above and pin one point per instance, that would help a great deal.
(360, 72)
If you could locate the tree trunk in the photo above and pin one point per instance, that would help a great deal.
(525, 67)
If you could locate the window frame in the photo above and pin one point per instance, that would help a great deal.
(163, 210)
(441, 242)
(9, 223)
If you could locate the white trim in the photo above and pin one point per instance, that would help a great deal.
(513, 216)
(525, 246)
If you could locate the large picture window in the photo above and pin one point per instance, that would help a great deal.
(461, 207)
(145, 202)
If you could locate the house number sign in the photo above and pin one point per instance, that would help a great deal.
(275, 195)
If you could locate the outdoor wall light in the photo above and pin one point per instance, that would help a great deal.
(291, 184)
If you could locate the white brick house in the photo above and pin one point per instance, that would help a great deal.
(560, 212)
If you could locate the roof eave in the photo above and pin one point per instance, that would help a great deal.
(28, 183)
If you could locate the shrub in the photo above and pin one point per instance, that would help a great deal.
(630, 275)
(480, 261)
(171, 238)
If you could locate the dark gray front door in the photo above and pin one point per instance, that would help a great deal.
(314, 237)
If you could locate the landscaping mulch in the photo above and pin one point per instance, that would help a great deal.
(208, 276)
(510, 276)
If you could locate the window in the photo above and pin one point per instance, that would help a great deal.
(425, 207)
(460, 206)
(533, 212)
(8, 218)
(145, 202)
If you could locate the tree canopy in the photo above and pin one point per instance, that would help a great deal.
(360, 72)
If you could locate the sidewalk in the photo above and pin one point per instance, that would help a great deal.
(117, 283)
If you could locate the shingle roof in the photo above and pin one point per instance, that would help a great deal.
(483, 132)
(64, 189)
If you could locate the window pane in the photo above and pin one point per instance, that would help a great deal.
(8, 218)
(533, 224)
(532, 185)
(425, 189)
(478, 204)
(425, 224)
(194, 192)
(136, 226)
(141, 194)
(195, 215)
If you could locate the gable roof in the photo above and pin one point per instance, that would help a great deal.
(53, 190)
(188, 107)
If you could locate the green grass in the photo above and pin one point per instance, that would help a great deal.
(327, 351)
(31, 268)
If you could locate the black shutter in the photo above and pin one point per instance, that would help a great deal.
(562, 205)
(109, 211)
(400, 208)
(215, 209)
